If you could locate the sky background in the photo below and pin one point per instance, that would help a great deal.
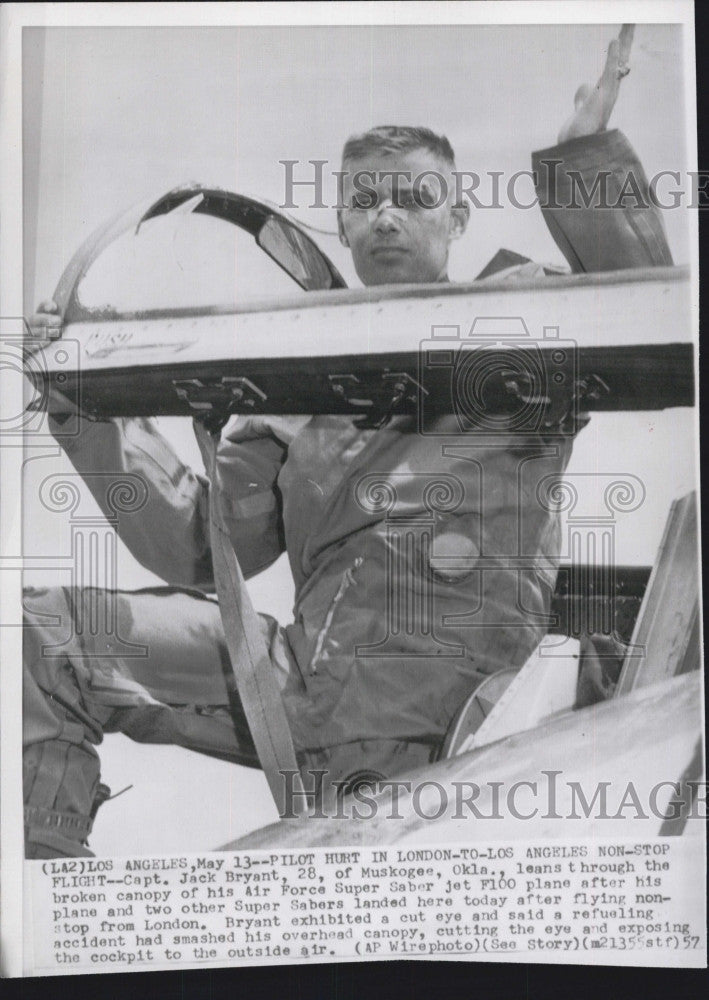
(114, 115)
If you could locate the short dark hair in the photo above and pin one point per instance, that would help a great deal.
(397, 138)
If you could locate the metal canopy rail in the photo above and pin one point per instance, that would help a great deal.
(615, 341)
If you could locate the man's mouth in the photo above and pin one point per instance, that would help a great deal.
(388, 251)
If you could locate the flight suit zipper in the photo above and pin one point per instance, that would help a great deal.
(346, 582)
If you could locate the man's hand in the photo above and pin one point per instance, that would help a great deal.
(594, 104)
(44, 326)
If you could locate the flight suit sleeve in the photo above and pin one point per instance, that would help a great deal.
(169, 533)
(595, 199)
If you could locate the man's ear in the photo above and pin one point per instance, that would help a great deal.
(341, 230)
(460, 216)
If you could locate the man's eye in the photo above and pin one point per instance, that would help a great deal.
(426, 198)
(363, 201)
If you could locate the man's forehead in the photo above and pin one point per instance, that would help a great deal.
(413, 162)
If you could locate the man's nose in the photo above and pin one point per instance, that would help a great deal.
(384, 218)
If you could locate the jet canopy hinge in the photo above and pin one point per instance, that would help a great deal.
(379, 396)
(224, 395)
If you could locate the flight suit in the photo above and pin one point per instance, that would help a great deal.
(387, 639)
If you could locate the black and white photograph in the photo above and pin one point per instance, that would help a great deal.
(350, 511)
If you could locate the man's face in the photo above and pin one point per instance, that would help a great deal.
(399, 230)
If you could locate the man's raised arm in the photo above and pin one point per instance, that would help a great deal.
(592, 188)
